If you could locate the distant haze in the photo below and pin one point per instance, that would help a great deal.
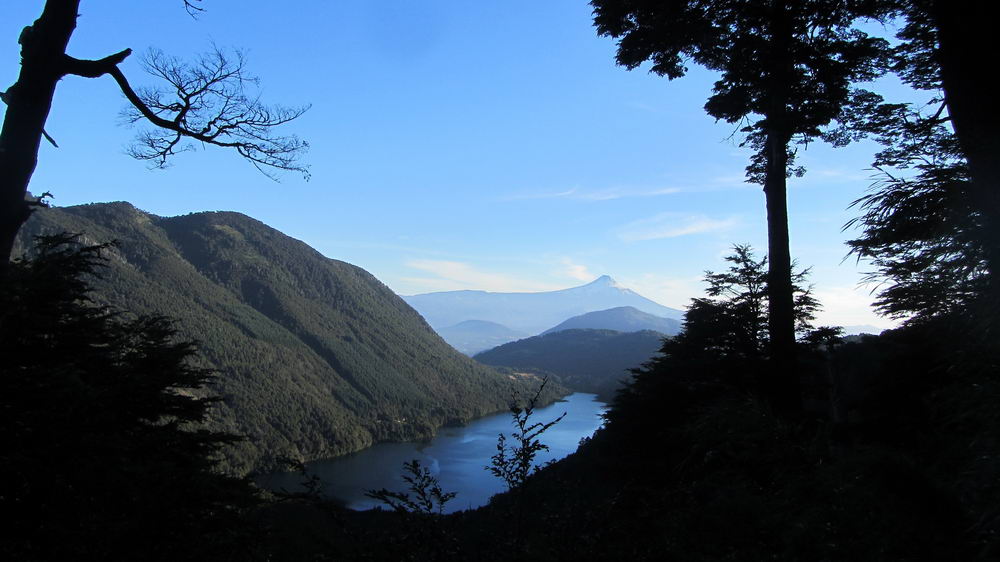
(472, 336)
(531, 313)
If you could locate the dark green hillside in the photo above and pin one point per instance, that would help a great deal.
(619, 319)
(584, 360)
(316, 356)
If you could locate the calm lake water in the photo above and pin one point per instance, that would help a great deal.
(457, 456)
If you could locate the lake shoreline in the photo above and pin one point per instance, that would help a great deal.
(457, 456)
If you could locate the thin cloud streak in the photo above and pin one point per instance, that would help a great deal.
(672, 225)
(456, 276)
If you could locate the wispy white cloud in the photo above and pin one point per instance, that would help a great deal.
(607, 194)
(672, 225)
(455, 275)
(575, 270)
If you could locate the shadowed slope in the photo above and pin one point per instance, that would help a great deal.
(316, 356)
(620, 319)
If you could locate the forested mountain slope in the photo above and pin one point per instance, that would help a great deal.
(315, 356)
(619, 319)
(585, 360)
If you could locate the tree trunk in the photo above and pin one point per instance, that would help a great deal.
(785, 392)
(43, 50)
(965, 42)
(780, 316)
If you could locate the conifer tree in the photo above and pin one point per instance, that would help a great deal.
(787, 70)
(103, 454)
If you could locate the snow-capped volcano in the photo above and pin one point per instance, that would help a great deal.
(531, 312)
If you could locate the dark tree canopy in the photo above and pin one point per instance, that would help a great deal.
(786, 67)
(929, 225)
(731, 320)
(787, 70)
(104, 456)
(964, 35)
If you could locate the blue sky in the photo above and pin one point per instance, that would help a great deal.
(455, 145)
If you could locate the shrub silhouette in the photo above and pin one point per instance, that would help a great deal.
(428, 497)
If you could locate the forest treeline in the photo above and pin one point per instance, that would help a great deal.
(315, 357)
(753, 435)
(595, 361)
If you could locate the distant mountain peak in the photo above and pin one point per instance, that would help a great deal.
(605, 281)
(532, 313)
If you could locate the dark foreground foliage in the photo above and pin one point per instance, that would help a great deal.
(895, 455)
(896, 458)
(101, 455)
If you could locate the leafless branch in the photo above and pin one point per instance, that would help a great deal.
(210, 100)
(191, 8)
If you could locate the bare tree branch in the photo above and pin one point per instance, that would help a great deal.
(192, 9)
(210, 100)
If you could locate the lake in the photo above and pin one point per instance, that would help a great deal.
(457, 456)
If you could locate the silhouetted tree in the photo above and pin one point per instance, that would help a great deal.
(428, 496)
(964, 35)
(514, 463)
(102, 453)
(921, 227)
(731, 322)
(787, 69)
(207, 102)
(930, 225)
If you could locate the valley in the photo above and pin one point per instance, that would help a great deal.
(313, 357)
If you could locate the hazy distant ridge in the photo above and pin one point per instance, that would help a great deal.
(531, 312)
(472, 336)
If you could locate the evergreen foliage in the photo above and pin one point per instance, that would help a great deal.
(106, 455)
(619, 319)
(895, 458)
(787, 71)
(922, 227)
(731, 321)
(104, 451)
(594, 361)
(315, 357)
